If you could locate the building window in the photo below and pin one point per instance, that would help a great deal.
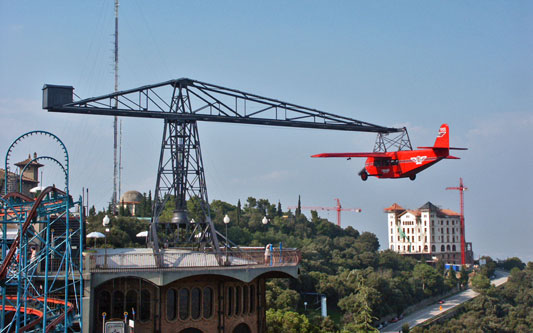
(244, 300)
(433, 249)
(419, 238)
(252, 299)
(447, 230)
(448, 247)
(104, 302)
(453, 248)
(117, 304)
(196, 301)
(145, 305)
(419, 248)
(230, 301)
(184, 303)
(131, 301)
(391, 239)
(171, 304)
(208, 302)
(425, 248)
(442, 248)
(398, 248)
(237, 300)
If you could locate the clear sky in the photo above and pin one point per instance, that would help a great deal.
(412, 63)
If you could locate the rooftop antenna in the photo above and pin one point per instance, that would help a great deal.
(115, 120)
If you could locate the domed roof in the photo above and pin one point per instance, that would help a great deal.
(131, 197)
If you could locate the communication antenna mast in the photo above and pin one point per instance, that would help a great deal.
(115, 120)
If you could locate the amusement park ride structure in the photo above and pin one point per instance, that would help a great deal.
(181, 103)
(41, 271)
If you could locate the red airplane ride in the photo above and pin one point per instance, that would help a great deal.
(403, 163)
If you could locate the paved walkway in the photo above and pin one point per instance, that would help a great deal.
(420, 316)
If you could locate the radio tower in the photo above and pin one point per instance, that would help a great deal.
(115, 120)
(461, 190)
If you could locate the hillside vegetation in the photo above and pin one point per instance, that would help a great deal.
(361, 283)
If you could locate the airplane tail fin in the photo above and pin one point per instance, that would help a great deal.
(443, 139)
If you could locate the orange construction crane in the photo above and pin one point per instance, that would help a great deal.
(338, 208)
(461, 190)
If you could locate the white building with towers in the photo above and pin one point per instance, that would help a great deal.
(428, 232)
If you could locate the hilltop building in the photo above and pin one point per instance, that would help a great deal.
(30, 177)
(130, 200)
(429, 232)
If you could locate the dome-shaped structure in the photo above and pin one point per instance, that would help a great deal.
(131, 197)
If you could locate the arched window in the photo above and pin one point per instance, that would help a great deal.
(242, 328)
(442, 248)
(196, 302)
(237, 300)
(425, 248)
(245, 300)
(146, 304)
(208, 302)
(453, 248)
(184, 303)
(117, 307)
(229, 302)
(171, 304)
(131, 301)
(252, 299)
(191, 330)
(448, 247)
(433, 249)
(104, 303)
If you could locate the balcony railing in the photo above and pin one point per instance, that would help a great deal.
(176, 259)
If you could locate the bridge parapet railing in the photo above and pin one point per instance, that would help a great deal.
(175, 259)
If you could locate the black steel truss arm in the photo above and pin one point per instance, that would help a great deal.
(208, 103)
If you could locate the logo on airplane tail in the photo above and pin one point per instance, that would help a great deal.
(442, 132)
(420, 159)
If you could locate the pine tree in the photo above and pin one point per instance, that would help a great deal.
(280, 212)
(238, 212)
(149, 204)
(299, 208)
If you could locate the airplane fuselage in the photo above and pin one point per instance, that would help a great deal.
(403, 164)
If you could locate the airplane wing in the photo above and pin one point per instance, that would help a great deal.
(450, 157)
(450, 148)
(378, 155)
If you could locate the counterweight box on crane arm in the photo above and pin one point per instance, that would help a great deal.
(57, 95)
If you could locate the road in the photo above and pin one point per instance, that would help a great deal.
(420, 316)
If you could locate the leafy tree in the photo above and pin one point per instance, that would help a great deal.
(510, 263)
(480, 283)
(92, 211)
(463, 279)
(429, 278)
(287, 321)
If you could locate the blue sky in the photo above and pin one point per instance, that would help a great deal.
(414, 63)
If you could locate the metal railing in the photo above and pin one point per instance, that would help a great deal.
(176, 259)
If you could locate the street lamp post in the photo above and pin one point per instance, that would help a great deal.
(226, 222)
(105, 223)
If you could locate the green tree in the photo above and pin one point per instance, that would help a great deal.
(429, 278)
(463, 279)
(480, 283)
(287, 322)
